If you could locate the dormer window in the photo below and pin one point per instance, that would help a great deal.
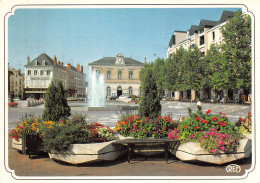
(43, 63)
(35, 62)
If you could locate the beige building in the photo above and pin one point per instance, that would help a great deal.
(121, 75)
(16, 82)
(40, 71)
(203, 35)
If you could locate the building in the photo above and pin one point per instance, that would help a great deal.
(42, 70)
(203, 35)
(121, 75)
(15, 82)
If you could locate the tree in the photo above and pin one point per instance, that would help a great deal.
(150, 102)
(237, 49)
(56, 106)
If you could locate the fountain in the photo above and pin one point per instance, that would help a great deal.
(97, 98)
(96, 89)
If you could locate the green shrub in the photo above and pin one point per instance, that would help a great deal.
(56, 106)
(58, 138)
(149, 105)
(245, 125)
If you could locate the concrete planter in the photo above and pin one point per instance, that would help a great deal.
(17, 144)
(191, 151)
(144, 149)
(93, 152)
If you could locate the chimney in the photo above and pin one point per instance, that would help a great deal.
(69, 65)
(61, 63)
(82, 68)
(55, 60)
(145, 60)
(28, 59)
(19, 71)
(58, 62)
(78, 67)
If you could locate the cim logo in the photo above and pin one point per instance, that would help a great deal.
(233, 168)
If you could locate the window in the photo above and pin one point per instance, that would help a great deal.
(16, 83)
(120, 74)
(108, 91)
(29, 72)
(130, 91)
(130, 74)
(108, 75)
(35, 62)
(43, 62)
(35, 72)
(48, 72)
(202, 40)
(213, 35)
(41, 72)
(201, 31)
(97, 73)
(192, 46)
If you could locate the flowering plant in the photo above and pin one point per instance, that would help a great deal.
(244, 125)
(12, 104)
(134, 126)
(213, 131)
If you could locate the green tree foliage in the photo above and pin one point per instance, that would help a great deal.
(237, 36)
(158, 70)
(56, 106)
(149, 105)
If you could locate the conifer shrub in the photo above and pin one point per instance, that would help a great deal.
(149, 105)
(56, 106)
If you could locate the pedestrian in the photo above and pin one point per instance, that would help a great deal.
(199, 105)
(218, 99)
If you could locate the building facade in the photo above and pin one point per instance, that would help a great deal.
(15, 82)
(42, 70)
(203, 35)
(121, 75)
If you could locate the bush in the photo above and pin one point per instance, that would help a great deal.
(137, 127)
(149, 105)
(58, 137)
(245, 125)
(56, 106)
(213, 131)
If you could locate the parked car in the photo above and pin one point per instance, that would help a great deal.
(113, 98)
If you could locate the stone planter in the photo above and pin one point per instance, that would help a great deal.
(146, 150)
(17, 144)
(93, 152)
(191, 151)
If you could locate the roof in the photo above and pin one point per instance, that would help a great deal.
(111, 61)
(193, 29)
(48, 61)
(172, 40)
(207, 23)
(225, 15)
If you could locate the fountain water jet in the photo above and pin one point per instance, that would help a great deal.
(96, 89)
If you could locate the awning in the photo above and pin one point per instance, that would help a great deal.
(35, 92)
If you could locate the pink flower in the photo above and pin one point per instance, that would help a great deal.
(155, 122)
(175, 130)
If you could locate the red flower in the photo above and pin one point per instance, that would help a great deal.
(220, 113)
(176, 137)
(208, 111)
(155, 122)
(205, 121)
(147, 118)
(183, 117)
(196, 127)
(197, 118)
(214, 119)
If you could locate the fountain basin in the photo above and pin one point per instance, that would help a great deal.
(104, 108)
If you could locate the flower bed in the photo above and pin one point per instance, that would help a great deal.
(136, 127)
(209, 134)
(12, 104)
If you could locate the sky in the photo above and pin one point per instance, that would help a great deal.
(81, 36)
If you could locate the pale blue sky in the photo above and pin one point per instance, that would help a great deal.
(80, 36)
